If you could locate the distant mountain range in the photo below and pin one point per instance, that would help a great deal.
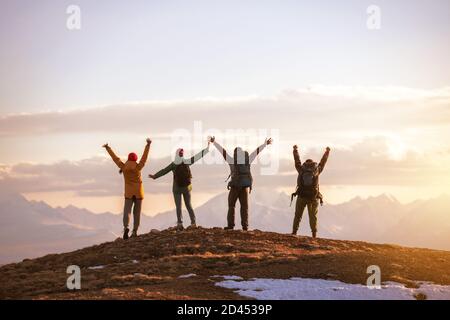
(30, 229)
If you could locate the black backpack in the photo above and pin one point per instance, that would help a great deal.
(182, 175)
(308, 181)
(241, 175)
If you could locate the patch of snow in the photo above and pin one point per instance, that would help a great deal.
(187, 275)
(134, 261)
(320, 289)
(228, 277)
(434, 291)
(96, 267)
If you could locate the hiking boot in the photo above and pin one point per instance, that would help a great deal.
(134, 234)
(228, 228)
(294, 233)
(314, 234)
(244, 228)
(192, 226)
(180, 227)
(125, 233)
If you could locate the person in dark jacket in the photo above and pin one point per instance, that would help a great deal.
(241, 180)
(182, 185)
(307, 192)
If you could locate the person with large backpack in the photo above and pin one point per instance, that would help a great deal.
(241, 181)
(308, 190)
(182, 183)
(134, 191)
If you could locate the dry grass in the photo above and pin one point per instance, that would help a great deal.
(163, 257)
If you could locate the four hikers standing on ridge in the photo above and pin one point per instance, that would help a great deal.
(182, 185)
(308, 190)
(134, 190)
(239, 187)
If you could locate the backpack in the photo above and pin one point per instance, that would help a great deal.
(241, 175)
(308, 181)
(182, 175)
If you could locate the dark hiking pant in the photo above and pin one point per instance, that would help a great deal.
(235, 194)
(313, 208)
(186, 194)
(136, 205)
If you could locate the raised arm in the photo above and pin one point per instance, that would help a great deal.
(163, 172)
(144, 157)
(255, 153)
(324, 159)
(198, 156)
(224, 153)
(297, 162)
(115, 158)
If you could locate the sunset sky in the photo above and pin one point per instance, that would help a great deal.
(305, 72)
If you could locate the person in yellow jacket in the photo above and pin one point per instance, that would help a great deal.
(134, 190)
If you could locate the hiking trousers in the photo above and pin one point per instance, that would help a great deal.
(313, 209)
(136, 205)
(235, 194)
(185, 193)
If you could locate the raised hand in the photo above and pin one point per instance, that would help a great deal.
(105, 145)
(295, 147)
(149, 141)
(211, 139)
(328, 149)
(269, 141)
(152, 176)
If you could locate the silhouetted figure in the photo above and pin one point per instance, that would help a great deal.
(308, 190)
(241, 181)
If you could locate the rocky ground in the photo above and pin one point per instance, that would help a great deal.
(150, 266)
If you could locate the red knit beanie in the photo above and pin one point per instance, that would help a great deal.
(132, 157)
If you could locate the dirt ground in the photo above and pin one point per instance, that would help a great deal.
(149, 267)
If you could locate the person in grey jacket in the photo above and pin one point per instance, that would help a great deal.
(182, 183)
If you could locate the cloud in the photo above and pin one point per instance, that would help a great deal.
(312, 109)
(368, 162)
(381, 136)
(371, 162)
(376, 93)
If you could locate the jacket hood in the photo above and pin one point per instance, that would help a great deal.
(310, 164)
(239, 156)
(177, 158)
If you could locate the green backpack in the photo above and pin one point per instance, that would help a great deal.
(308, 183)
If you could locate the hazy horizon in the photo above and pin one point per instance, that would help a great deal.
(204, 198)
